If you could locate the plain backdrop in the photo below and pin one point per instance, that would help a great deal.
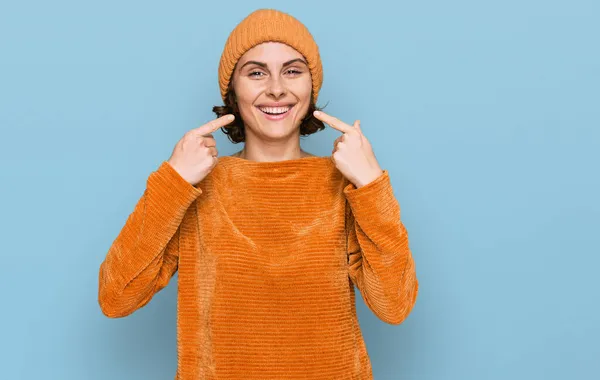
(485, 113)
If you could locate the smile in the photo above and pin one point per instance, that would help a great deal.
(275, 113)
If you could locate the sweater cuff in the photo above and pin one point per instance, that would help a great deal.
(174, 188)
(373, 200)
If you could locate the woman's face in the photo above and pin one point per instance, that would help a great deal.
(273, 87)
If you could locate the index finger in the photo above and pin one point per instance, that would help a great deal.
(215, 124)
(333, 121)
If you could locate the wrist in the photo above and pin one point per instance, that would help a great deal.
(368, 179)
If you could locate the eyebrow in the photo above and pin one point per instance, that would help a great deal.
(264, 65)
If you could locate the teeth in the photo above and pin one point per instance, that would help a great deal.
(275, 110)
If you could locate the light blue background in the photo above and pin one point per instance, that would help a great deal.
(486, 115)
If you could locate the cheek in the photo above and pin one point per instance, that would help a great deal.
(304, 90)
(245, 107)
(246, 96)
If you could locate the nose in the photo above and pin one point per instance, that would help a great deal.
(275, 87)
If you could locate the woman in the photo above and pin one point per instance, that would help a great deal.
(268, 243)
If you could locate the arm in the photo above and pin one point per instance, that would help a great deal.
(144, 256)
(380, 262)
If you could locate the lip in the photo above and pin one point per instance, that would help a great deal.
(280, 104)
(277, 117)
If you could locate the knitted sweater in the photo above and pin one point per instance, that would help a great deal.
(267, 255)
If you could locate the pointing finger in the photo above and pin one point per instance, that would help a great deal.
(215, 124)
(333, 122)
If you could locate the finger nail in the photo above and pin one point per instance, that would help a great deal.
(316, 113)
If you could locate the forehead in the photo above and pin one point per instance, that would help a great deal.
(271, 53)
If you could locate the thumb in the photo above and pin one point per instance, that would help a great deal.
(357, 125)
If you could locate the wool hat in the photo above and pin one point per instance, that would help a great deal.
(265, 25)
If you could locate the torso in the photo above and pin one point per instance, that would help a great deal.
(266, 275)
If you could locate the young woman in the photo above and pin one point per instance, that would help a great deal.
(269, 242)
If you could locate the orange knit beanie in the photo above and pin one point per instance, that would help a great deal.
(270, 25)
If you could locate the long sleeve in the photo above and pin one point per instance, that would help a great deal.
(144, 256)
(380, 262)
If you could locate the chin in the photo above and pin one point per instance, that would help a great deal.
(278, 128)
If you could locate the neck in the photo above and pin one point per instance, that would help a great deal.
(244, 154)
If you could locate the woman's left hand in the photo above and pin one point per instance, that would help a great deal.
(352, 153)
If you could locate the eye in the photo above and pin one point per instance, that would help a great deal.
(293, 71)
(253, 73)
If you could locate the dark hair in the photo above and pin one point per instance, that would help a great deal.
(236, 132)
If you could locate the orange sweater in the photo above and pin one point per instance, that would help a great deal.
(267, 255)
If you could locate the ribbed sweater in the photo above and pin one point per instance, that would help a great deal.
(267, 256)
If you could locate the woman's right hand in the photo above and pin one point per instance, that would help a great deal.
(195, 155)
